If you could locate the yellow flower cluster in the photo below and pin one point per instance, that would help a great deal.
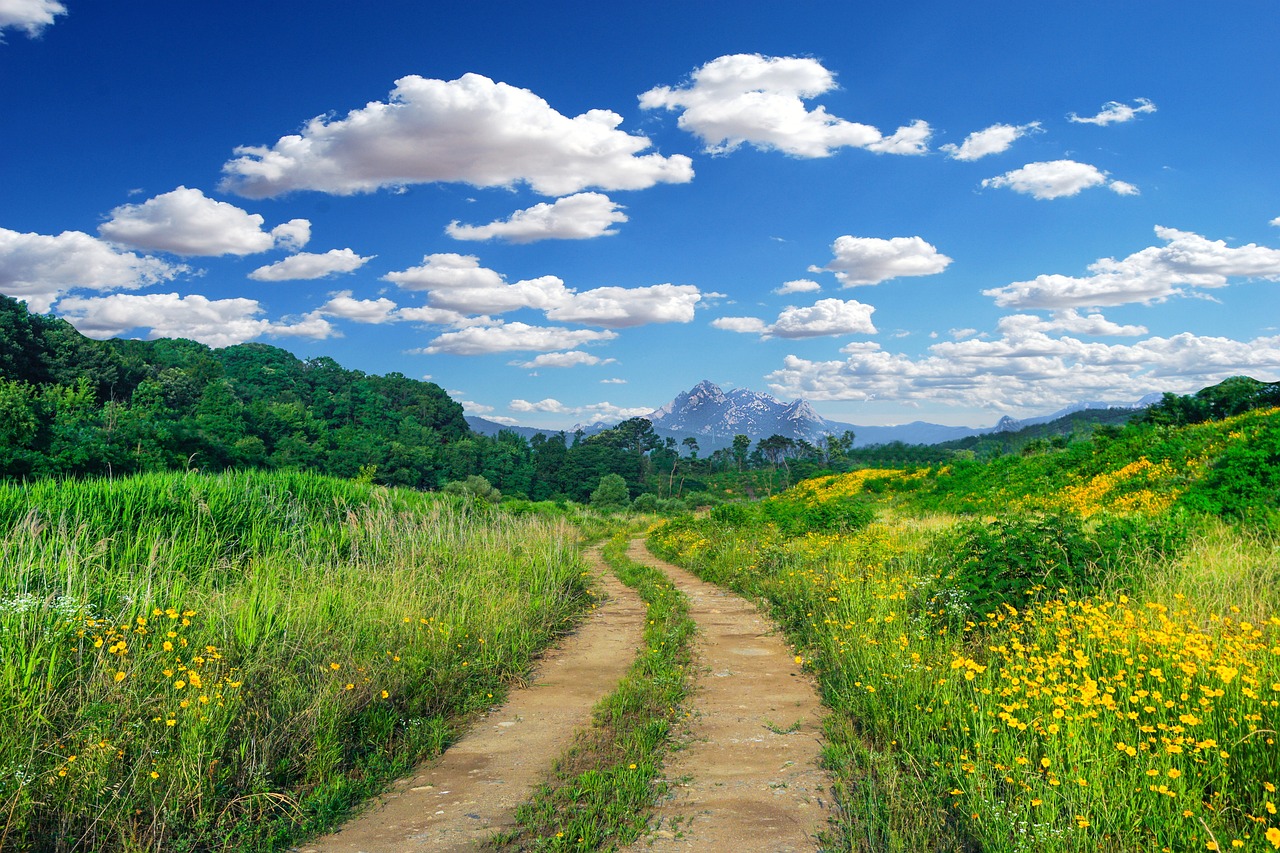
(1177, 705)
(838, 486)
(1141, 486)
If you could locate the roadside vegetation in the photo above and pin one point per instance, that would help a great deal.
(196, 662)
(1073, 649)
(600, 793)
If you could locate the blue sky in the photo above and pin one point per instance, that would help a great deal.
(567, 212)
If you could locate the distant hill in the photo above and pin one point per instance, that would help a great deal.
(484, 426)
(714, 416)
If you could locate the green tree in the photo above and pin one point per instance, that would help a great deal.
(611, 494)
(741, 447)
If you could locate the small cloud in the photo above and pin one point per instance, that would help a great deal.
(1114, 112)
(577, 217)
(824, 318)
(511, 337)
(309, 265)
(760, 101)
(1122, 188)
(744, 325)
(871, 260)
(961, 334)
(994, 140)
(800, 285)
(573, 358)
(613, 381)
(549, 405)
(187, 222)
(1053, 179)
(30, 16)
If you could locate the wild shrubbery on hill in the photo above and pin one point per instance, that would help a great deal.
(1075, 648)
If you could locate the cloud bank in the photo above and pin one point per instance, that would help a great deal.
(1186, 263)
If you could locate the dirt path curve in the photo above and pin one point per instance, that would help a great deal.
(473, 789)
(749, 779)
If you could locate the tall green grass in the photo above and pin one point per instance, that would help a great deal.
(1120, 695)
(193, 662)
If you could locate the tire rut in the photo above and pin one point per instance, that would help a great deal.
(749, 777)
(473, 789)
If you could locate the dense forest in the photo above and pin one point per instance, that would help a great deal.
(71, 407)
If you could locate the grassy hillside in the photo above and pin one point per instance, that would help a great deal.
(196, 662)
(1074, 649)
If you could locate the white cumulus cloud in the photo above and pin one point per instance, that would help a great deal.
(470, 130)
(215, 322)
(993, 140)
(743, 325)
(1056, 178)
(310, 265)
(871, 260)
(549, 404)
(1114, 112)
(38, 268)
(343, 304)
(512, 337)
(800, 285)
(582, 216)
(573, 358)
(187, 222)
(30, 16)
(757, 100)
(1186, 263)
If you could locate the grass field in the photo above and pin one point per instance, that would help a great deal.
(1061, 653)
(194, 662)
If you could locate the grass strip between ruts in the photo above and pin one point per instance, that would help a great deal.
(601, 791)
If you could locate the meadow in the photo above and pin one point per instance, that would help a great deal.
(1073, 649)
(194, 662)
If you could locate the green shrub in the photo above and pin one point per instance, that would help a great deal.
(1008, 560)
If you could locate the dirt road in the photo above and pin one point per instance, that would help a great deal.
(473, 789)
(747, 779)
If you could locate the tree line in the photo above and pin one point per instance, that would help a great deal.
(72, 407)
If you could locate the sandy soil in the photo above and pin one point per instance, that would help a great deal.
(748, 779)
(473, 789)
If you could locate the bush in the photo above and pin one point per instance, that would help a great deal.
(647, 502)
(1244, 483)
(796, 518)
(611, 495)
(1009, 560)
(474, 487)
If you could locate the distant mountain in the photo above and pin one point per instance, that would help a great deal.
(714, 416)
(707, 411)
